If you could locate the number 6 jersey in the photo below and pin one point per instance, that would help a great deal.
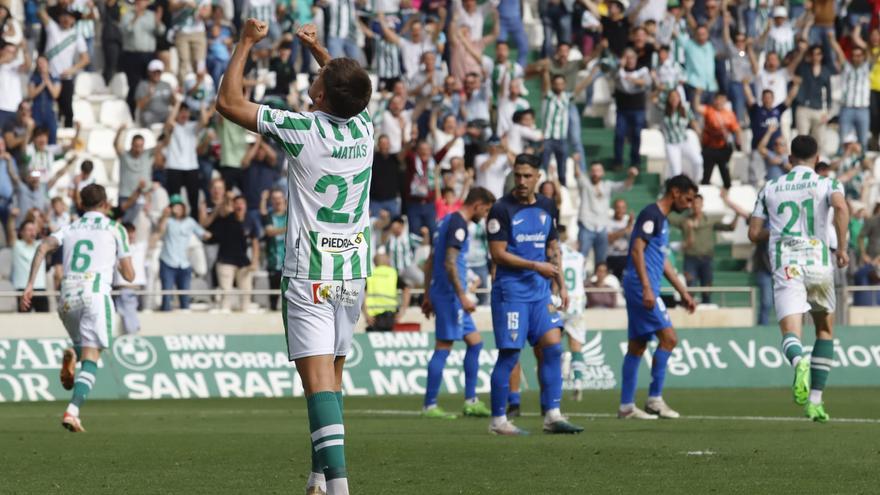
(330, 161)
(92, 245)
(796, 207)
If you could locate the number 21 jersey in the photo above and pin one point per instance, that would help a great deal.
(330, 162)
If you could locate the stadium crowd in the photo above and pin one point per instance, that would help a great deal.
(461, 88)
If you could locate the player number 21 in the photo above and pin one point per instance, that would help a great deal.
(795, 214)
(334, 213)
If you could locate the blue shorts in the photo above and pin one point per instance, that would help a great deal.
(451, 321)
(513, 321)
(644, 322)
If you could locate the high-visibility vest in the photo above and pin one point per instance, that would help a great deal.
(382, 291)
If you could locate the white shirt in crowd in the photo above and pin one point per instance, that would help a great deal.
(440, 138)
(10, 86)
(63, 47)
(181, 150)
(390, 126)
(776, 81)
(517, 135)
(491, 175)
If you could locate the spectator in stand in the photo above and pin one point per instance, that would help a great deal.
(677, 118)
(740, 52)
(140, 29)
(510, 101)
(198, 90)
(135, 170)
(869, 253)
(560, 65)
(111, 37)
(43, 91)
(234, 232)
(720, 127)
(477, 101)
(381, 308)
(127, 301)
(615, 25)
(814, 97)
(763, 274)
(220, 34)
(775, 155)
(23, 251)
(40, 155)
(855, 110)
(512, 29)
(274, 230)
(188, 18)
(419, 196)
(492, 168)
(763, 117)
(556, 19)
(448, 132)
(11, 68)
(446, 200)
(175, 229)
(67, 53)
(523, 134)
(396, 124)
(260, 165)
(601, 279)
(504, 70)
(469, 14)
(18, 132)
(467, 47)
(182, 164)
(399, 244)
(698, 232)
(619, 231)
(233, 147)
(153, 97)
(385, 185)
(341, 29)
(630, 95)
(477, 257)
(699, 63)
(282, 66)
(555, 116)
(593, 220)
(8, 179)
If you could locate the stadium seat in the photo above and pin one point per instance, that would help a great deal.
(302, 82)
(100, 143)
(171, 79)
(119, 85)
(830, 141)
(89, 83)
(7, 304)
(654, 149)
(115, 113)
(157, 130)
(83, 113)
(5, 263)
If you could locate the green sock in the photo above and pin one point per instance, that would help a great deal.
(577, 365)
(339, 400)
(85, 380)
(316, 464)
(791, 347)
(820, 363)
(328, 434)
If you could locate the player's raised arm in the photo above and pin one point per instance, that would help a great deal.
(308, 36)
(231, 102)
(47, 247)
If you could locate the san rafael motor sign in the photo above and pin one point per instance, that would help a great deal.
(201, 366)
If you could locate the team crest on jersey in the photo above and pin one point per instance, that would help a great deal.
(543, 218)
(277, 116)
(336, 244)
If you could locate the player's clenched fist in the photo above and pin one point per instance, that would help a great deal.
(254, 30)
(308, 35)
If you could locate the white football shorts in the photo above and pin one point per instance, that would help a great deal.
(320, 316)
(799, 289)
(89, 317)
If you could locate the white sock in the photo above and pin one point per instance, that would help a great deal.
(552, 415)
(659, 397)
(499, 420)
(472, 400)
(428, 408)
(815, 397)
(795, 361)
(627, 407)
(338, 486)
(317, 479)
(73, 410)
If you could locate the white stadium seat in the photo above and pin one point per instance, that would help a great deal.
(100, 143)
(83, 113)
(114, 113)
(5, 262)
(119, 85)
(88, 84)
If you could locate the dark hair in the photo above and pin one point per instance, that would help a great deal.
(822, 166)
(804, 147)
(766, 91)
(519, 114)
(479, 195)
(397, 219)
(560, 229)
(87, 166)
(23, 224)
(681, 183)
(527, 159)
(136, 137)
(446, 190)
(347, 87)
(667, 108)
(563, 43)
(40, 131)
(92, 196)
(128, 226)
(558, 76)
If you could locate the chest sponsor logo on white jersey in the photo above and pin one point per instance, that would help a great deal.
(336, 243)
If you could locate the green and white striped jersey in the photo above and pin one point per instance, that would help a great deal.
(340, 18)
(263, 10)
(573, 272)
(796, 208)
(91, 245)
(330, 161)
(856, 85)
(675, 126)
(554, 115)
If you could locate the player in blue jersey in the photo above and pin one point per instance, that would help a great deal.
(646, 265)
(523, 244)
(446, 278)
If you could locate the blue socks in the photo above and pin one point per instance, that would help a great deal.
(513, 398)
(630, 378)
(435, 375)
(551, 377)
(658, 372)
(471, 368)
(507, 359)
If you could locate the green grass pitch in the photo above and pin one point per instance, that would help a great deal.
(734, 441)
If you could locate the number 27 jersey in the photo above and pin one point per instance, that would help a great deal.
(330, 161)
(796, 207)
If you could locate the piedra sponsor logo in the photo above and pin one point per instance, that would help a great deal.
(336, 244)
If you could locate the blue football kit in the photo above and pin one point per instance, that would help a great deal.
(452, 322)
(652, 227)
